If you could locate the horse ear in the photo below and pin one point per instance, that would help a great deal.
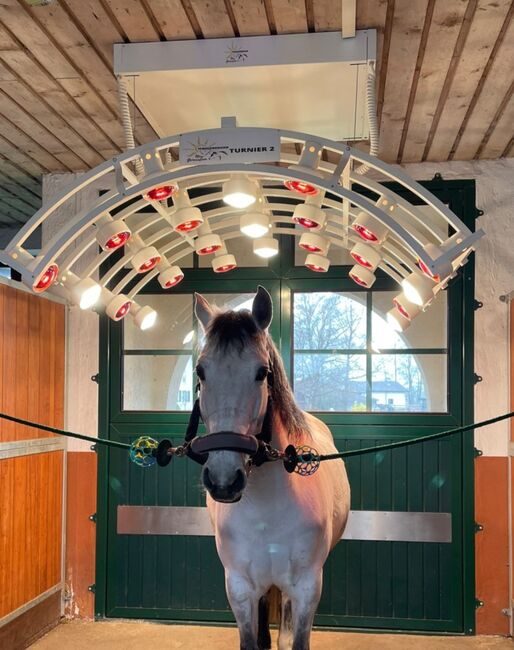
(262, 308)
(203, 310)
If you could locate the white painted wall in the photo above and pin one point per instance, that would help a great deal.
(494, 277)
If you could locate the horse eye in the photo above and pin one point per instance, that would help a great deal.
(262, 373)
(200, 372)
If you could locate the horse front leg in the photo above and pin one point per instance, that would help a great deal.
(244, 602)
(304, 595)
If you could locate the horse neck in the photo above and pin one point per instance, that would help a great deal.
(279, 434)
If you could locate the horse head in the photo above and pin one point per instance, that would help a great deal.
(233, 370)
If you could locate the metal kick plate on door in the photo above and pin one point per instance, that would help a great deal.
(364, 525)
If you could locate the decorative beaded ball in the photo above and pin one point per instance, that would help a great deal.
(141, 451)
(308, 461)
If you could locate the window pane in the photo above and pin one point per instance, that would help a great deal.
(330, 382)
(329, 321)
(427, 330)
(173, 328)
(235, 301)
(409, 382)
(157, 383)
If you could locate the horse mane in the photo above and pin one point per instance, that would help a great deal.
(239, 329)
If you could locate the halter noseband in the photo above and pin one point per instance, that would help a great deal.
(197, 448)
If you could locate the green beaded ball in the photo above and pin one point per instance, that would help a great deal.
(141, 451)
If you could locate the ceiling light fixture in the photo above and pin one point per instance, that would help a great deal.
(170, 276)
(309, 214)
(208, 244)
(146, 259)
(240, 193)
(418, 289)
(265, 247)
(112, 234)
(313, 243)
(366, 256)
(46, 278)
(144, 317)
(362, 276)
(406, 308)
(317, 263)
(161, 193)
(370, 228)
(118, 307)
(254, 224)
(308, 163)
(186, 218)
(396, 320)
(85, 293)
(224, 263)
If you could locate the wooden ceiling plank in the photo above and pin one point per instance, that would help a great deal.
(20, 92)
(500, 113)
(328, 15)
(133, 19)
(442, 37)
(28, 146)
(24, 27)
(213, 18)
(251, 18)
(498, 142)
(18, 192)
(20, 158)
(485, 28)
(290, 16)
(19, 176)
(172, 19)
(25, 122)
(499, 78)
(405, 40)
(20, 171)
(24, 210)
(100, 31)
(13, 216)
(53, 93)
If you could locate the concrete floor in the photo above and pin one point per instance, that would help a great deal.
(130, 635)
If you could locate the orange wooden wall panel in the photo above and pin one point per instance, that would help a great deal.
(32, 340)
(30, 527)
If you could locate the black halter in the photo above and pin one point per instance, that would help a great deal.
(197, 448)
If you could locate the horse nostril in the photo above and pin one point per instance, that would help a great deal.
(239, 482)
(207, 479)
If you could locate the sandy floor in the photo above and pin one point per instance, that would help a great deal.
(125, 635)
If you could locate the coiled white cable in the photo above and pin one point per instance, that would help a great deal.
(371, 105)
(127, 122)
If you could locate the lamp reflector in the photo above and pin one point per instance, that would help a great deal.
(369, 228)
(187, 219)
(208, 244)
(313, 243)
(170, 277)
(46, 278)
(113, 235)
(362, 276)
(118, 307)
(146, 259)
(309, 216)
(301, 187)
(224, 263)
(366, 256)
(317, 263)
(161, 193)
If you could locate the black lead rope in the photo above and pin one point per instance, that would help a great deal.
(145, 451)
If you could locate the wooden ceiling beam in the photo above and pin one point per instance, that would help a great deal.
(28, 146)
(270, 15)
(497, 145)
(490, 99)
(170, 19)
(250, 17)
(481, 82)
(213, 18)
(405, 40)
(192, 17)
(290, 16)
(506, 101)
(485, 28)
(439, 48)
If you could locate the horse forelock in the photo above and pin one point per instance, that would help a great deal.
(238, 329)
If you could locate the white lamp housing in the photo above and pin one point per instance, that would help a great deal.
(118, 307)
(112, 234)
(406, 308)
(146, 259)
(396, 321)
(85, 293)
(317, 263)
(314, 243)
(370, 228)
(265, 247)
(254, 224)
(309, 216)
(144, 317)
(240, 193)
(187, 219)
(418, 289)
(366, 256)
(223, 263)
(170, 277)
(208, 244)
(362, 276)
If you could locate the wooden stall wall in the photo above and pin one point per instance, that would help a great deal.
(32, 344)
